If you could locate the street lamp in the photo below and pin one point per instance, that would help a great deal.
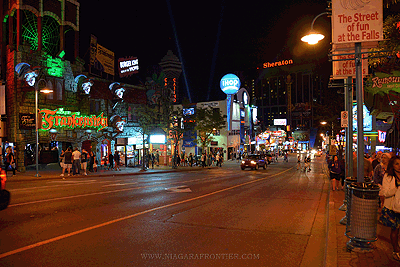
(314, 37)
(46, 91)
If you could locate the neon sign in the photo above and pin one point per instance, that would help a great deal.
(278, 63)
(381, 136)
(60, 118)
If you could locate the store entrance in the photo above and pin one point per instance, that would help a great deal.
(87, 145)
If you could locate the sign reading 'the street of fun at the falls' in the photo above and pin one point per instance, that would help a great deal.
(357, 21)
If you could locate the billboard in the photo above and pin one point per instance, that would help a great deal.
(357, 21)
(128, 66)
(101, 59)
(367, 121)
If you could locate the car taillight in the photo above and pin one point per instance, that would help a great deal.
(3, 179)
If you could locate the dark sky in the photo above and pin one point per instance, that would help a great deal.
(215, 37)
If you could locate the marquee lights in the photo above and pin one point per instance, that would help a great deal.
(60, 118)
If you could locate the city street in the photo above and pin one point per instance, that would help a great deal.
(211, 217)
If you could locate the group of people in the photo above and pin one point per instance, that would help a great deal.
(75, 160)
(387, 175)
(384, 169)
(116, 158)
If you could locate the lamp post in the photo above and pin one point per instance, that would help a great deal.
(46, 91)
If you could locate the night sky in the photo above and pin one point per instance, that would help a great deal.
(215, 37)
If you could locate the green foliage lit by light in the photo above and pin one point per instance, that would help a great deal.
(55, 66)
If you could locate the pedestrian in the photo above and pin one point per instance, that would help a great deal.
(110, 161)
(218, 160)
(379, 173)
(178, 159)
(10, 161)
(335, 169)
(368, 171)
(84, 158)
(76, 155)
(298, 162)
(203, 160)
(67, 161)
(377, 159)
(152, 158)
(95, 165)
(91, 161)
(157, 158)
(116, 159)
(389, 216)
(191, 160)
(62, 162)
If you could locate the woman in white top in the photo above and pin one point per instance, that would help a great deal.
(391, 210)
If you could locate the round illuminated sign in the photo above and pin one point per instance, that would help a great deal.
(230, 84)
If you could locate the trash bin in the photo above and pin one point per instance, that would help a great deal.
(362, 209)
(347, 182)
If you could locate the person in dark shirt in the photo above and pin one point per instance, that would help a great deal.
(67, 161)
(84, 158)
(110, 161)
(116, 159)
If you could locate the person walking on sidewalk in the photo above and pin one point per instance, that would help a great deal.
(67, 162)
(110, 161)
(62, 162)
(91, 161)
(84, 158)
(391, 217)
(10, 161)
(379, 173)
(76, 155)
(116, 159)
(335, 168)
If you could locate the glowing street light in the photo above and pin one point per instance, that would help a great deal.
(314, 37)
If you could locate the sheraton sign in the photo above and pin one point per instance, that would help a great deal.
(60, 118)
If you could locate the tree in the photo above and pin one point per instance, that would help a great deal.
(179, 124)
(391, 44)
(208, 120)
(146, 118)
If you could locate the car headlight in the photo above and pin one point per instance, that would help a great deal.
(252, 162)
(243, 162)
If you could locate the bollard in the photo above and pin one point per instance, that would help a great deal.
(347, 181)
(362, 207)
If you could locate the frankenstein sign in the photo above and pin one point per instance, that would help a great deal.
(62, 118)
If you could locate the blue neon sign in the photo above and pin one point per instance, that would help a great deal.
(230, 84)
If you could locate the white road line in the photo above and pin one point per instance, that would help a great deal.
(60, 184)
(51, 240)
(120, 184)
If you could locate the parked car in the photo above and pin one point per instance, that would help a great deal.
(4, 194)
(254, 162)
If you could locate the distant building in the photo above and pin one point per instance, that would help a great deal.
(289, 91)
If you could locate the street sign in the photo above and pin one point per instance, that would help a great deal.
(357, 21)
(344, 119)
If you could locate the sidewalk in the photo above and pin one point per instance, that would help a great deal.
(54, 172)
(337, 254)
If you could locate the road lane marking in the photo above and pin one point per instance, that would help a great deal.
(51, 240)
(60, 184)
(101, 193)
(119, 184)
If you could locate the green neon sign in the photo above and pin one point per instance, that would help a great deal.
(61, 118)
(55, 66)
